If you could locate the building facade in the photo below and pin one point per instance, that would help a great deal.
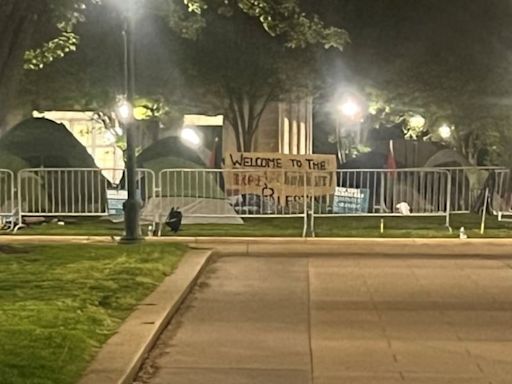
(285, 127)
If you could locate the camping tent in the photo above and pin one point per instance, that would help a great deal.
(170, 147)
(198, 194)
(42, 143)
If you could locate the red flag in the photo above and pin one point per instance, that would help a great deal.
(391, 161)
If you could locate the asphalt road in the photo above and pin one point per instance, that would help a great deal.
(337, 320)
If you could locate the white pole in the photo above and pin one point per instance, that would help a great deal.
(484, 212)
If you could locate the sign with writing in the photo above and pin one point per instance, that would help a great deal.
(282, 178)
(351, 200)
(115, 200)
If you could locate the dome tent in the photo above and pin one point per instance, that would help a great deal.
(409, 154)
(44, 143)
(207, 185)
(12, 162)
(170, 147)
(195, 193)
(171, 153)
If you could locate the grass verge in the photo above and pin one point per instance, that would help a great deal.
(60, 303)
(394, 227)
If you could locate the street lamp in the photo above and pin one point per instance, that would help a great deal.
(124, 111)
(132, 204)
(445, 132)
(191, 138)
(350, 111)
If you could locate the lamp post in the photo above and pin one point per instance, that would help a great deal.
(445, 132)
(131, 205)
(349, 110)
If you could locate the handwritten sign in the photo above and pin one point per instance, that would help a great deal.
(283, 178)
(351, 200)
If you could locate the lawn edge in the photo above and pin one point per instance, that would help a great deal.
(356, 246)
(121, 357)
(307, 246)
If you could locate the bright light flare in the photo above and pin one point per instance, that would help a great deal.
(190, 137)
(445, 132)
(350, 109)
(124, 111)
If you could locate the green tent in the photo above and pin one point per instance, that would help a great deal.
(183, 183)
(44, 143)
(170, 147)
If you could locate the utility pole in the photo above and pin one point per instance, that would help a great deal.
(132, 204)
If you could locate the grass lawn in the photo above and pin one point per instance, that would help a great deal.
(60, 303)
(426, 227)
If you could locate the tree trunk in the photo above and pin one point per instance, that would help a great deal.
(244, 114)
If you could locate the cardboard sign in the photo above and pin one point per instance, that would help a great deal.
(350, 200)
(283, 178)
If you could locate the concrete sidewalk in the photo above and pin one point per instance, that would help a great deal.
(354, 320)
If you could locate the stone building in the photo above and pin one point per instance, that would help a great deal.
(285, 127)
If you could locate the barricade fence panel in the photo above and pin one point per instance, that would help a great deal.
(248, 193)
(145, 182)
(62, 192)
(501, 199)
(75, 191)
(386, 192)
(467, 185)
(257, 193)
(7, 193)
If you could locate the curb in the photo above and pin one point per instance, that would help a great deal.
(355, 247)
(119, 360)
(228, 246)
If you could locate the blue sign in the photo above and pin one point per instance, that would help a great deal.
(115, 199)
(351, 200)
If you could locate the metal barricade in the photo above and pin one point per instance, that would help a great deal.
(7, 197)
(501, 199)
(214, 193)
(62, 192)
(74, 191)
(145, 182)
(467, 184)
(378, 192)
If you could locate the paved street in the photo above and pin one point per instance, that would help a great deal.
(333, 320)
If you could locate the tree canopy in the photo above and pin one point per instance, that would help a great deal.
(446, 61)
(39, 31)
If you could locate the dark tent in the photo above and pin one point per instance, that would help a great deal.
(169, 147)
(44, 143)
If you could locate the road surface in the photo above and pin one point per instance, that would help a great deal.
(324, 320)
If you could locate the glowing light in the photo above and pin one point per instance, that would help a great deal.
(350, 109)
(445, 132)
(190, 137)
(124, 111)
